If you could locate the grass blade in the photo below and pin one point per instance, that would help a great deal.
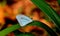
(34, 23)
(9, 29)
(58, 1)
(54, 17)
(48, 29)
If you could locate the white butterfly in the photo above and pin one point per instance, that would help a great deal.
(23, 20)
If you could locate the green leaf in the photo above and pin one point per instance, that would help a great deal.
(48, 29)
(34, 23)
(9, 29)
(58, 1)
(54, 17)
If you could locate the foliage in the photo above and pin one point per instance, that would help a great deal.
(54, 17)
